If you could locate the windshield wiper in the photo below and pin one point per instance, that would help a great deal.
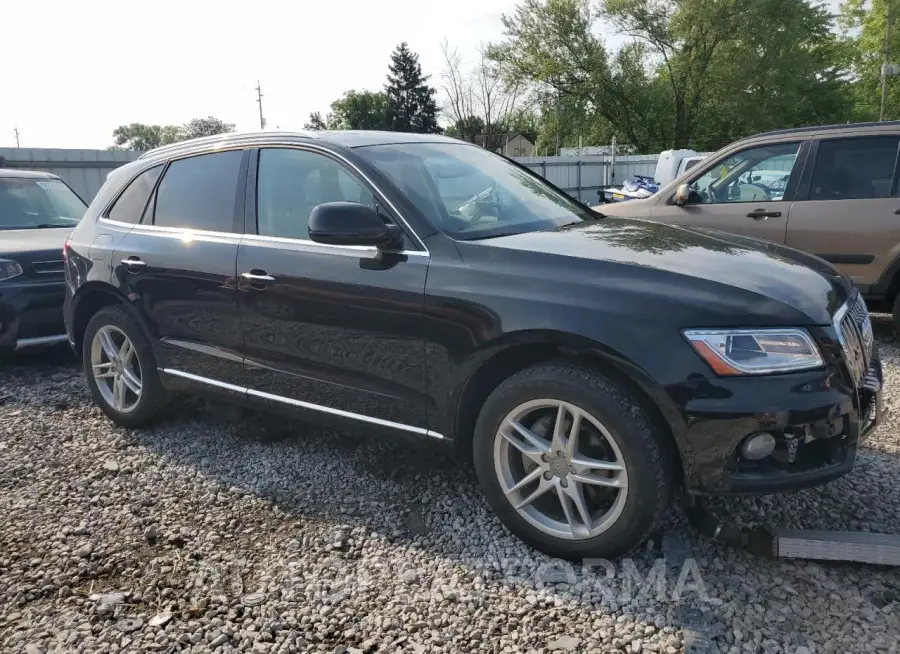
(37, 226)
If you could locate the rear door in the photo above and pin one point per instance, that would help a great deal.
(178, 266)
(746, 192)
(848, 211)
(336, 330)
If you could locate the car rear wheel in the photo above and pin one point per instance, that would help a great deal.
(121, 369)
(571, 462)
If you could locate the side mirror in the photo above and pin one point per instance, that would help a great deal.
(682, 195)
(349, 223)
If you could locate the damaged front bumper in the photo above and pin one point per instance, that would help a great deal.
(816, 419)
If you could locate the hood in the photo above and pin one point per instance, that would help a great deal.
(21, 241)
(637, 208)
(739, 270)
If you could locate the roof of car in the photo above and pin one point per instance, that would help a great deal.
(346, 138)
(886, 125)
(26, 174)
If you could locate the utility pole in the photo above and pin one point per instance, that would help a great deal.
(262, 121)
(888, 18)
(16, 130)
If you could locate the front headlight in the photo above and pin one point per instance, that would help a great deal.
(755, 351)
(9, 269)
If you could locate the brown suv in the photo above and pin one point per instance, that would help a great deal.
(829, 190)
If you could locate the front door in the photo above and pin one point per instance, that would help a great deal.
(332, 330)
(178, 266)
(747, 192)
(850, 214)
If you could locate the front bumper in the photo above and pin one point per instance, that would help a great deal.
(31, 314)
(818, 422)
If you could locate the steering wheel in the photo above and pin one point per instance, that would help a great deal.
(481, 212)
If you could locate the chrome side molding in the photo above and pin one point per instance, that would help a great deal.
(303, 405)
(23, 343)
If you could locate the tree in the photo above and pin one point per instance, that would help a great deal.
(360, 110)
(480, 101)
(208, 126)
(137, 136)
(316, 122)
(691, 73)
(411, 106)
(864, 24)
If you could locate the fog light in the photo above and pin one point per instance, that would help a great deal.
(758, 446)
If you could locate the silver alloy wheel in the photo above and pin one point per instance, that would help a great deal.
(116, 368)
(561, 469)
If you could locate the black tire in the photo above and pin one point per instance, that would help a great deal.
(153, 395)
(647, 457)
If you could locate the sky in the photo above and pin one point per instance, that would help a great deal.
(83, 68)
(87, 67)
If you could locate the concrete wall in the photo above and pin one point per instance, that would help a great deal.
(83, 170)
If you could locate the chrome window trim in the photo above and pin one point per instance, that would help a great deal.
(185, 233)
(305, 245)
(304, 405)
(336, 155)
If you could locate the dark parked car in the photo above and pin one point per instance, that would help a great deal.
(424, 286)
(37, 213)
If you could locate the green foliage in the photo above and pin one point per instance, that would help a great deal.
(138, 136)
(864, 23)
(411, 106)
(208, 126)
(692, 73)
(359, 110)
(316, 122)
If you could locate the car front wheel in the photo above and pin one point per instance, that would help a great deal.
(121, 369)
(571, 462)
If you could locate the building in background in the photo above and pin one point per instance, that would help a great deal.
(514, 144)
(83, 170)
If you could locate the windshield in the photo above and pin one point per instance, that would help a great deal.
(471, 193)
(36, 203)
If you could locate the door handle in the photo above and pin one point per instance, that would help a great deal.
(762, 214)
(257, 276)
(133, 262)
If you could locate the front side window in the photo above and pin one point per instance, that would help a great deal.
(470, 193)
(27, 203)
(130, 206)
(291, 183)
(199, 192)
(759, 174)
(854, 168)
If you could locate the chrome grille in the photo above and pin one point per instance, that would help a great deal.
(854, 329)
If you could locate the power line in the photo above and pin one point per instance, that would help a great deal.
(259, 97)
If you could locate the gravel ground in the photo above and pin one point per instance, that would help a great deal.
(217, 532)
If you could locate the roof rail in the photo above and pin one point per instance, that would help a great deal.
(818, 128)
(227, 138)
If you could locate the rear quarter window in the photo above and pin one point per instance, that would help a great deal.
(129, 208)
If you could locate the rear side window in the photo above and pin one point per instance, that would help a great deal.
(130, 206)
(199, 192)
(854, 168)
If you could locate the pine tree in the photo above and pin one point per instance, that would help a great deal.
(411, 103)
